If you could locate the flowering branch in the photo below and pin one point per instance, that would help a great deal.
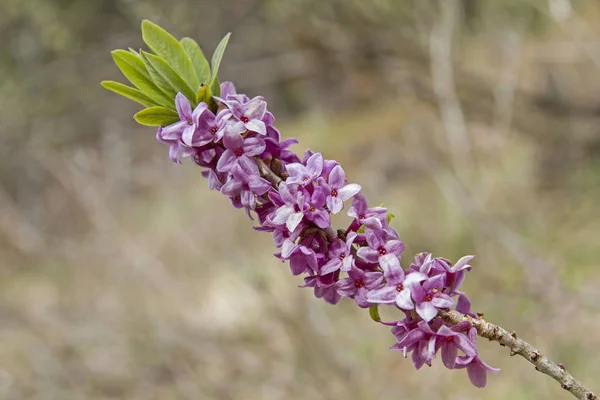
(232, 137)
(519, 346)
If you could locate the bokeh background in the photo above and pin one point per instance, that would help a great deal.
(476, 122)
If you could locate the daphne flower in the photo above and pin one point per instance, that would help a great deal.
(338, 190)
(397, 288)
(189, 121)
(247, 116)
(429, 297)
(378, 246)
(291, 213)
(305, 174)
(357, 285)
(340, 255)
(476, 369)
(239, 149)
(176, 148)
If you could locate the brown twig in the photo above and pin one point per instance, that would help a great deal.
(519, 346)
(267, 173)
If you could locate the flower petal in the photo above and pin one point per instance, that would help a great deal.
(232, 188)
(296, 171)
(386, 294)
(254, 146)
(441, 300)
(184, 109)
(321, 218)
(255, 108)
(463, 263)
(477, 374)
(282, 214)
(226, 161)
(258, 185)
(188, 134)
(255, 125)
(293, 221)
(394, 246)
(372, 279)
(331, 266)
(367, 254)
(337, 177)
(463, 343)
(426, 310)
(173, 131)
(335, 204)
(348, 191)
(391, 268)
(346, 287)
(314, 165)
(449, 353)
(404, 300)
(233, 141)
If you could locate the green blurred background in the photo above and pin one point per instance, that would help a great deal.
(476, 122)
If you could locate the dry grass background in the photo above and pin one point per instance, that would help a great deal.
(123, 277)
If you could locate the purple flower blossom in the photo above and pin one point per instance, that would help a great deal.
(338, 190)
(244, 116)
(340, 255)
(243, 187)
(302, 259)
(239, 149)
(357, 285)
(176, 148)
(291, 213)
(305, 175)
(324, 286)
(208, 129)
(450, 340)
(397, 288)
(419, 342)
(315, 210)
(455, 275)
(378, 246)
(190, 121)
(429, 297)
(476, 369)
(361, 211)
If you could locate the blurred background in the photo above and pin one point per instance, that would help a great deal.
(476, 122)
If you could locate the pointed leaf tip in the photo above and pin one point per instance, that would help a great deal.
(218, 56)
(163, 44)
(156, 116)
(129, 92)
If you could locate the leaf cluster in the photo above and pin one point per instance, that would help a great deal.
(171, 66)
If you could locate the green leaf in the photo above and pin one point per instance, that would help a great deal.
(156, 116)
(129, 92)
(374, 312)
(199, 62)
(215, 87)
(133, 69)
(166, 78)
(131, 59)
(217, 56)
(166, 46)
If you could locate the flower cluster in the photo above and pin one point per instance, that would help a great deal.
(244, 158)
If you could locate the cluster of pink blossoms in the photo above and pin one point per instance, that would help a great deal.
(361, 262)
